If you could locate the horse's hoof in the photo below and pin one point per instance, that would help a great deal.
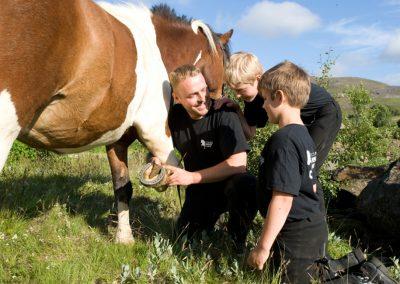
(125, 238)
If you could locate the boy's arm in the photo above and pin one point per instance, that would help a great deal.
(278, 210)
(234, 164)
(249, 131)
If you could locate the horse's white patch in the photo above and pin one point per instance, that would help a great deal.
(197, 58)
(148, 111)
(124, 231)
(9, 126)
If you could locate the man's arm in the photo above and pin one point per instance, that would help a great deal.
(234, 164)
(278, 210)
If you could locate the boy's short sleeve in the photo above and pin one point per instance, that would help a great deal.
(254, 113)
(283, 171)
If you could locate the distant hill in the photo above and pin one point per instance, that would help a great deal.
(378, 89)
(381, 92)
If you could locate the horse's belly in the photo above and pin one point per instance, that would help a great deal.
(65, 126)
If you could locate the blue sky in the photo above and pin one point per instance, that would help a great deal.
(364, 36)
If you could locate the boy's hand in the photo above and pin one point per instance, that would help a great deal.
(257, 257)
(226, 101)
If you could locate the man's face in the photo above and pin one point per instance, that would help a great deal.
(192, 93)
(247, 92)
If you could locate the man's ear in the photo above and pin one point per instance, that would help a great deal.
(176, 99)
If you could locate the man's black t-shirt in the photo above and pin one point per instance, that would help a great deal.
(256, 115)
(287, 165)
(207, 141)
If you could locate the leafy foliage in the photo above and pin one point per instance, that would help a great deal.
(382, 115)
(22, 151)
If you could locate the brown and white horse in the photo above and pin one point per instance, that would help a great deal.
(75, 75)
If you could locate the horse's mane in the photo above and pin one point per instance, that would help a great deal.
(166, 12)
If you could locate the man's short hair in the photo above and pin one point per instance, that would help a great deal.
(289, 78)
(243, 68)
(181, 73)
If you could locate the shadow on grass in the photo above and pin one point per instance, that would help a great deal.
(32, 196)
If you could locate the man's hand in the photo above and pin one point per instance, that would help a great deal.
(226, 101)
(156, 161)
(178, 176)
(257, 257)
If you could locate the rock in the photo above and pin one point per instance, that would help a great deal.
(355, 178)
(380, 201)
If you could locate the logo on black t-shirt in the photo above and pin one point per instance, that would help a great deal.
(311, 159)
(206, 144)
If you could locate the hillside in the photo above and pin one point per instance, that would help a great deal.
(378, 89)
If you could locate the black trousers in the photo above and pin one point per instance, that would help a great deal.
(298, 248)
(323, 129)
(204, 203)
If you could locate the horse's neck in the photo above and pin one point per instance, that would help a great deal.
(178, 44)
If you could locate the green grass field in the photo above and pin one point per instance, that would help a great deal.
(55, 228)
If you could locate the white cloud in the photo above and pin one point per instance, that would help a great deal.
(270, 19)
(347, 62)
(383, 44)
(357, 35)
(392, 50)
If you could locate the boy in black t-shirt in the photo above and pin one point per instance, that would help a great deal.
(321, 114)
(295, 228)
(214, 152)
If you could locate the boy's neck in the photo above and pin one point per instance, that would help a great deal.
(290, 115)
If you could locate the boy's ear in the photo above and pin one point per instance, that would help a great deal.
(279, 96)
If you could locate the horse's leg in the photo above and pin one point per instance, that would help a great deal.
(117, 154)
(9, 127)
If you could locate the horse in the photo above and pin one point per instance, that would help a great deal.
(76, 74)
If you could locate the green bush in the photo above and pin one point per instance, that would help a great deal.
(362, 142)
(396, 133)
(381, 115)
(257, 145)
(395, 111)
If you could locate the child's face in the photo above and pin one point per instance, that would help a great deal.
(270, 106)
(247, 92)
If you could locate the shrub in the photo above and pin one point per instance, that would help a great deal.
(257, 145)
(381, 115)
(396, 133)
(361, 140)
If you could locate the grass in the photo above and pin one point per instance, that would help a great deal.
(55, 228)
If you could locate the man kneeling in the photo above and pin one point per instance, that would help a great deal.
(214, 151)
